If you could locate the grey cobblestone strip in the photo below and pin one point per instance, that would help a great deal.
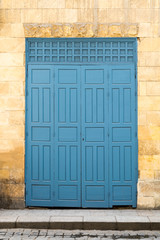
(44, 234)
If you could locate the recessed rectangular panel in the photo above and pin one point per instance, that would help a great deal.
(94, 76)
(35, 104)
(88, 105)
(40, 76)
(73, 105)
(115, 105)
(127, 105)
(62, 105)
(46, 105)
(67, 76)
(67, 134)
(116, 163)
(100, 105)
(127, 163)
(94, 134)
(100, 163)
(88, 163)
(35, 162)
(74, 163)
(122, 193)
(121, 134)
(121, 76)
(41, 192)
(68, 193)
(46, 163)
(40, 133)
(62, 163)
(95, 193)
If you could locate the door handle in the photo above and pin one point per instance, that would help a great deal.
(82, 139)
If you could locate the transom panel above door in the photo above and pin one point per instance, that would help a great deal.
(81, 135)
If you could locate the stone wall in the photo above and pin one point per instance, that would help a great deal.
(78, 18)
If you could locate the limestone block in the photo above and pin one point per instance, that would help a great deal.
(11, 132)
(12, 74)
(146, 188)
(157, 175)
(50, 16)
(156, 162)
(150, 73)
(145, 29)
(15, 103)
(116, 15)
(141, 59)
(102, 30)
(142, 88)
(153, 118)
(17, 89)
(153, 88)
(16, 117)
(149, 132)
(84, 16)
(5, 4)
(12, 45)
(17, 30)
(146, 174)
(11, 16)
(148, 147)
(16, 190)
(145, 202)
(115, 31)
(139, 3)
(83, 30)
(102, 15)
(24, 4)
(16, 176)
(132, 30)
(31, 16)
(152, 59)
(4, 88)
(142, 15)
(83, 4)
(11, 59)
(35, 30)
(69, 15)
(57, 30)
(49, 4)
(4, 118)
(4, 174)
(115, 4)
(7, 145)
(145, 162)
(5, 30)
(142, 118)
(150, 103)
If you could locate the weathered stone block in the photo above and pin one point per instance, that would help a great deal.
(102, 30)
(149, 132)
(12, 74)
(139, 3)
(11, 59)
(35, 30)
(151, 103)
(153, 88)
(148, 147)
(115, 31)
(11, 132)
(145, 202)
(9, 45)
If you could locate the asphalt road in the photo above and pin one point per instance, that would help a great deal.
(18, 234)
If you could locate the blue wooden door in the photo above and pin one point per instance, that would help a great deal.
(122, 135)
(94, 136)
(39, 136)
(67, 184)
(81, 136)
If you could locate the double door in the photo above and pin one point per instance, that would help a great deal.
(80, 136)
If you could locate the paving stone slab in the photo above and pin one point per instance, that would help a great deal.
(66, 222)
(99, 223)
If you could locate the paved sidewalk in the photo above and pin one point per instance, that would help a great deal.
(86, 219)
(45, 234)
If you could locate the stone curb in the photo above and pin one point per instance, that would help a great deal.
(81, 225)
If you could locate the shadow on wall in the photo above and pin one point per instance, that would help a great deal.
(12, 179)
